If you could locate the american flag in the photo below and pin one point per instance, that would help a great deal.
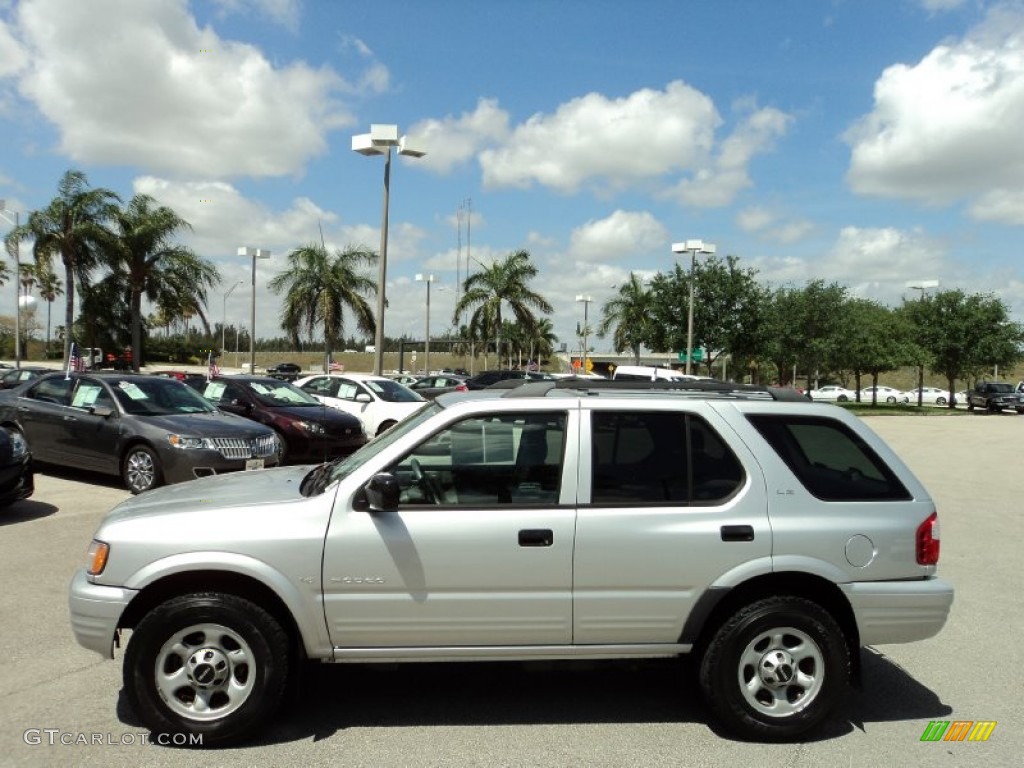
(75, 361)
(337, 367)
(212, 368)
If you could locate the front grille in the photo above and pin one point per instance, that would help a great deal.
(245, 448)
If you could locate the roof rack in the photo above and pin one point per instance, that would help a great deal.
(704, 387)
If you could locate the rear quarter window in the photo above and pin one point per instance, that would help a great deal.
(829, 459)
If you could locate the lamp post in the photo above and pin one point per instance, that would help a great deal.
(224, 323)
(693, 247)
(379, 141)
(428, 279)
(17, 283)
(586, 299)
(923, 287)
(254, 253)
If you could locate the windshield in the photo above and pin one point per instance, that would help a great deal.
(1000, 387)
(280, 393)
(326, 474)
(149, 397)
(392, 391)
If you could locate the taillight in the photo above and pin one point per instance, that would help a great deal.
(461, 388)
(928, 541)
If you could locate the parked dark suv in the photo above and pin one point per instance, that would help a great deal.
(306, 429)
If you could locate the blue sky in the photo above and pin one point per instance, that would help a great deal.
(869, 142)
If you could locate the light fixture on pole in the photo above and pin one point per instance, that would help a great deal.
(923, 286)
(693, 247)
(254, 253)
(224, 323)
(586, 299)
(17, 283)
(379, 141)
(428, 279)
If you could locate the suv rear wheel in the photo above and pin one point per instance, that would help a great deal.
(775, 668)
(210, 665)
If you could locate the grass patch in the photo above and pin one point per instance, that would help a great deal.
(884, 409)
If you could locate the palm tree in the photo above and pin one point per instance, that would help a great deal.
(50, 287)
(630, 313)
(503, 282)
(72, 228)
(153, 265)
(319, 286)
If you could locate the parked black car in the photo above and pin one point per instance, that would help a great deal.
(15, 377)
(16, 478)
(285, 371)
(485, 379)
(149, 430)
(307, 430)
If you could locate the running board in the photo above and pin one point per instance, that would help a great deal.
(509, 653)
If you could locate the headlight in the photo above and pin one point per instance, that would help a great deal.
(19, 446)
(98, 552)
(311, 427)
(184, 442)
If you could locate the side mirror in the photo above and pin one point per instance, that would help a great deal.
(382, 492)
(101, 410)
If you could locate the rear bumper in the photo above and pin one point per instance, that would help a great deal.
(95, 611)
(899, 611)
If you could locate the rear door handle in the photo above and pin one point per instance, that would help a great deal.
(737, 533)
(536, 537)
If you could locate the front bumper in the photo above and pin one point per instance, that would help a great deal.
(95, 611)
(181, 465)
(899, 611)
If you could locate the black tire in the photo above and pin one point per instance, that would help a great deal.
(140, 469)
(842, 399)
(940, 401)
(221, 651)
(282, 449)
(799, 654)
(384, 427)
(891, 400)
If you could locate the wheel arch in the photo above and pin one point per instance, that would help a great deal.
(716, 605)
(228, 582)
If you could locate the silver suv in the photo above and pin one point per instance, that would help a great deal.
(765, 535)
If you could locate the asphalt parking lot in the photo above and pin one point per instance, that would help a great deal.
(642, 714)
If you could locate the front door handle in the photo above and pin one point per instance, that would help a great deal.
(737, 533)
(536, 537)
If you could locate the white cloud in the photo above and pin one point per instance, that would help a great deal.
(608, 141)
(947, 127)
(1003, 205)
(938, 6)
(767, 225)
(623, 234)
(451, 141)
(283, 12)
(172, 98)
(13, 56)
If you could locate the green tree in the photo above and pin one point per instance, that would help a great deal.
(629, 313)
(50, 287)
(966, 334)
(505, 282)
(318, 287)
(71, 228)
(144, 255)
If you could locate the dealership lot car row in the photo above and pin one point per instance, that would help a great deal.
(547, 521)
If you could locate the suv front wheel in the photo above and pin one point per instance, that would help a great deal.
(775, 668)
(210, 665)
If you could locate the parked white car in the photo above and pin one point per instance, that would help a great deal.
(377, 401)
(885, 395)
(833, 394)
(931, 396)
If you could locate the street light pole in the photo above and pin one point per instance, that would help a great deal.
(923, 288)
(428, 279)
(17, 285)
(693, 247)
(586, 299)
(224, 323)
(254, 253)
(379, 141)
